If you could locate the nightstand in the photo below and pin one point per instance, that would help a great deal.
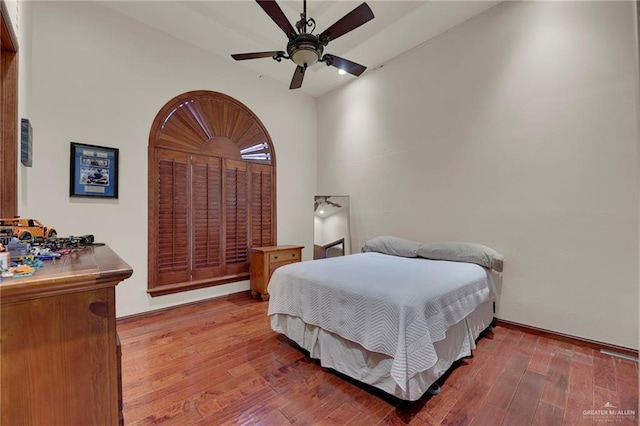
(264, 260)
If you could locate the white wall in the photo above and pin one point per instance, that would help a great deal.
(518, 130)
(97, 77)
(23, 33)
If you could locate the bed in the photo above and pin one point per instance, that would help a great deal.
(386, 317)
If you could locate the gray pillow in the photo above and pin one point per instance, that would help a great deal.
(463, 252)
(392, 245)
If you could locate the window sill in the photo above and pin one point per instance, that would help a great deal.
(193, 285)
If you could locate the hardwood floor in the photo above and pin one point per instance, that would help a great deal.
(218, 362)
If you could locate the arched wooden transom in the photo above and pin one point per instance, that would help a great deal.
(213, 124)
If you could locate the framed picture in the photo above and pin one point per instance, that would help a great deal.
(94, 171)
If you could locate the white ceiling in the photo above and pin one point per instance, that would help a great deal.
(241, 26)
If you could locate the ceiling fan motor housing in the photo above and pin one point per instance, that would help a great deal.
(305, 49)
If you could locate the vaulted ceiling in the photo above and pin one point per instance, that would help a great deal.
(240, 26)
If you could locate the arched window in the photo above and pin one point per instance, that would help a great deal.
(212, 192)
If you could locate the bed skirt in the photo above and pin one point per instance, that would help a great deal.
(374, 368)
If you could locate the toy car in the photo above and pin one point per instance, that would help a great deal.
(26, 229)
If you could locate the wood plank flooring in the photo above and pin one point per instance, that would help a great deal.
(218, 363)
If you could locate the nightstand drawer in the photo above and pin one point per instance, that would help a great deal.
(276, 265)
(284, 255)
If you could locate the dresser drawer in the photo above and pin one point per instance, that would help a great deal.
(284, 256)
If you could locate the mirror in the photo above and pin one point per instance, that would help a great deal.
(331, 235)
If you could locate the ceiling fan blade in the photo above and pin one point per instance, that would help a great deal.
(345, 64)
(277, 15)
(298, 76)
(255, 55)
(352, 20)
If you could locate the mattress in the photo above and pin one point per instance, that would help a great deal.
(393, 306)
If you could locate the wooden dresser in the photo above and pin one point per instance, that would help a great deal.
(264, 260)
(60, 353)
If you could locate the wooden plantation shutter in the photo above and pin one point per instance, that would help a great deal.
(207, 213)
(211, 192)
(173, 244)
(261, 205)
(237, 216)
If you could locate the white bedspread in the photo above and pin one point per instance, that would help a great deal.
(388, 304)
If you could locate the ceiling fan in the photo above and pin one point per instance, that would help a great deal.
(305, 48)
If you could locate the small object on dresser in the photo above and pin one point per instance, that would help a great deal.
(264, 260)
(5, 260)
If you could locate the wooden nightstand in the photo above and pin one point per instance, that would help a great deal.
(264, 260)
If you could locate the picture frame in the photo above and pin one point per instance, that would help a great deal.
(93, 171)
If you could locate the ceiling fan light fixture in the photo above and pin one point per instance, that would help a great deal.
(305, 57)
(305, 50)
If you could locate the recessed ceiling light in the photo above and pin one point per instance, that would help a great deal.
(341, 72)
(321, 212)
